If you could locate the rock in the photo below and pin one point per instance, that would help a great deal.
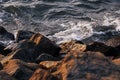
(41, 74)
(22, 54)
(114, 42)
(46, 57)
(21, 35)
(1, 67)
(116, 61)
(106, 50)
(24, 50)
(49, 64)
(19, 69)
(5, 35)
(72, 46)
(45, 45)
(5, 76)
(4, 52)
(86, 66)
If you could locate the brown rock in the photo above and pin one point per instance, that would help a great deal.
(41, 74)
(49, 64)
(116, 61)
(19, 69)
(45, 45)
(106, 50)
(114, 42)
(5, 76)
(86, 66)
(21, 35)
(72, 46)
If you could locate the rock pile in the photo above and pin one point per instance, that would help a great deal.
(33, 56)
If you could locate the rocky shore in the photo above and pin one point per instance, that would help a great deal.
(32, 56)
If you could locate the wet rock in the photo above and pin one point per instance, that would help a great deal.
(86, 66)
(46, 57)
(116, 61)
(106, 50)
(5, 35)
(5, 76)
(72, 46)
(45, 45)
(41, 74)
(19, 69)
(21, 35)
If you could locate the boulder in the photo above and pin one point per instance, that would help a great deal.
(5, 35)
(46, 57)
(87, 66)
(19, 69)
(41, 74)
(21, 35)
(72, 46)
(24, 50)
(45, 45)
(114, 42)
(106, 50)
(5, 76)
(116, 61)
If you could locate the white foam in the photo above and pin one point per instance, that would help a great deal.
(111, 20)
(75, 31)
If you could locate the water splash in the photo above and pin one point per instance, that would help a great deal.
(75, 31)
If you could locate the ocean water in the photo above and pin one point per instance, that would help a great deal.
(63, 20)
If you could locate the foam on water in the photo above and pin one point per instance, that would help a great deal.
(75, 31)
(112, 20)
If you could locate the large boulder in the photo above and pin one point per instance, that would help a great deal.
(19, 69)
(41, 74)
(87, 66)
(24, 50)
(106, 50)
(45, 45)
(21, 35)
(5, 76)
(5, 35)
